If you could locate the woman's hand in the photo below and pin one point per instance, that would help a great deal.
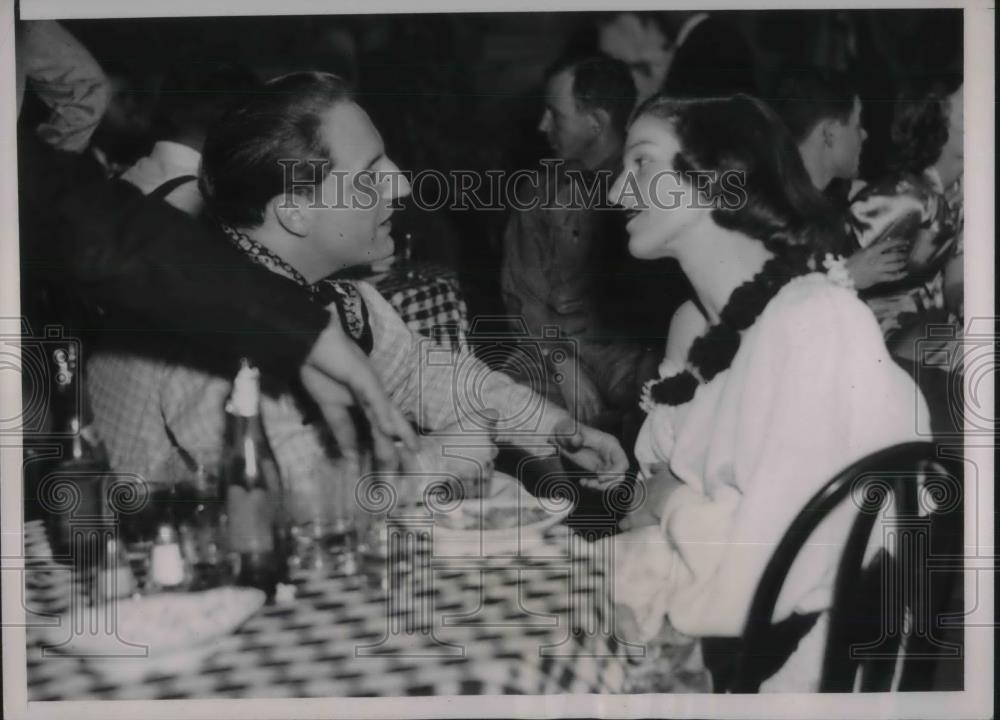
(591, 449)
(648, 510)
(338, 375)
(883, 261)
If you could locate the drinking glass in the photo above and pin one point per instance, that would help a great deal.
(323, 514)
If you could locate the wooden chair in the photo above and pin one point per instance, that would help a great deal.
(871, 619)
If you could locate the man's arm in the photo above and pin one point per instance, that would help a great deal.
(148, 265)
(154, 268)
(65, 76)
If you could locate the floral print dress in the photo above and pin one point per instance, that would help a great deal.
(918, 209)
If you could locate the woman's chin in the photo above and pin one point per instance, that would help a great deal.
(640, 249)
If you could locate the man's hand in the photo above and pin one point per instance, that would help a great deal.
(467, 454)
(591, 449)
(452, 452)
(338, 375)
(882, 261)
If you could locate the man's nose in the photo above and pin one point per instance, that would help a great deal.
(545, 123)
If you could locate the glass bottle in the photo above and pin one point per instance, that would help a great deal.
(251, 486)
(115, 578)
(84, 460)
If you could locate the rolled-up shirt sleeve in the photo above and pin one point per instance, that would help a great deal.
(438, 387)
(67, 78)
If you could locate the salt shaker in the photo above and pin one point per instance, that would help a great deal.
(166, 566)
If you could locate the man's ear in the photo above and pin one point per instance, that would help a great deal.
(600, 120)
(289, 209)
(828, 131)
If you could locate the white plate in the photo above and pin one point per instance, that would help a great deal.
(523, 520)
(157, 633)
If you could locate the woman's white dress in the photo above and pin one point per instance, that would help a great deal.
(811, 390)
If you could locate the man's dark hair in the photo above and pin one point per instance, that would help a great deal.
(808, 96)
(194, 94)
(263, 137)
(601, 82)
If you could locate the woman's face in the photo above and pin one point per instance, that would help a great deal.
(661, 205)
(952, 160)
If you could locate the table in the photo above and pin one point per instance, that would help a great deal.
(428, 298)
(466, 626)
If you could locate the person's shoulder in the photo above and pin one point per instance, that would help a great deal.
(815, 304)
(686, 324)
(893, 185)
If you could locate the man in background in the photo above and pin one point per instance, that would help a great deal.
(682, 54)
(560, 256)
(822, 109)
(192, 97)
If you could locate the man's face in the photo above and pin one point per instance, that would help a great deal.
(848, 139)
(568, 129)
(351, 225)
(640, 45)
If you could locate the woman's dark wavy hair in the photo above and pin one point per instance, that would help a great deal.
(778, 204)
(241, 163)
(920, 125)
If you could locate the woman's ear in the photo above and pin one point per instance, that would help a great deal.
(289, 209)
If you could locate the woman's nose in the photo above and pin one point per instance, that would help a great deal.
(615, 196)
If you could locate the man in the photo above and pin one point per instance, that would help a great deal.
(149, 265)
(682, 54)
(822, 110)
(559, 256)
(642, 42)
(299, 178)
(191, 98)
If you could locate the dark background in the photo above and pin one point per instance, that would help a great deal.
(462, 91)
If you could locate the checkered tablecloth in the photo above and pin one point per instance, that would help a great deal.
(428, 299)
(533, 624)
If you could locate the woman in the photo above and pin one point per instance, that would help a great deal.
(775, 380)
(920, 203)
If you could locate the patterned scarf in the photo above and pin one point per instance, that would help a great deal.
(341, 293)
